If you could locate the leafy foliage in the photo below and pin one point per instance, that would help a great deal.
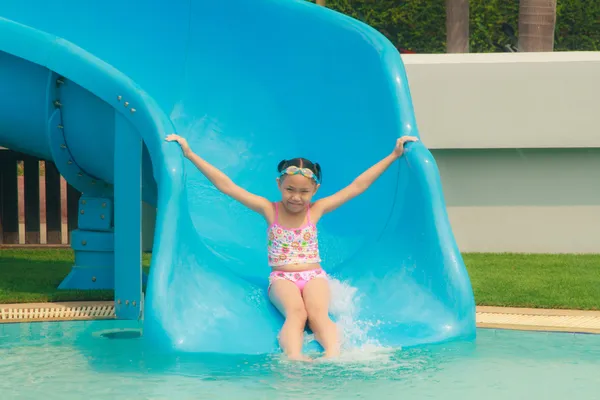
(420, 25)
(577, 25)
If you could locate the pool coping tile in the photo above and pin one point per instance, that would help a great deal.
(513, 318)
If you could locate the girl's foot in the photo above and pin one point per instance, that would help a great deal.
(300, 357)
(331, 354)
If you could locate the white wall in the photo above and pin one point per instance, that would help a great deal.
(517, 141)
(506, 100)
(523, 200)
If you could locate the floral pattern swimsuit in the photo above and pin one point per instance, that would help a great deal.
(293, 246)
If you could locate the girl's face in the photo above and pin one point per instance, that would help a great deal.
(296, 192)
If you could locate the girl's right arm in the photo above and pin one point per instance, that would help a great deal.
(223, 182)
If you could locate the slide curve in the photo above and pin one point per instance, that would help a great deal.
(248, 83)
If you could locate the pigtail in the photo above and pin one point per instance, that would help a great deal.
(318, 172)
(281, 165)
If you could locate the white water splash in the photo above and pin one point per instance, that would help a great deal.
(356, 344)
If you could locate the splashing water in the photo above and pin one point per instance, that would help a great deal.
(345, 306)
(356, 344)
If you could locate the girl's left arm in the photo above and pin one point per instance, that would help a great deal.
(361, 183)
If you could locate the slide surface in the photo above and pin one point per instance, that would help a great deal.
(248, 83)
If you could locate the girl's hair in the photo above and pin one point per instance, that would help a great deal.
(301, 163)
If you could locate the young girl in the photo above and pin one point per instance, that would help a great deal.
(298, 286)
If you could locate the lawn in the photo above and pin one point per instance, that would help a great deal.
(516, 280)
(33, 275)
(535, 280)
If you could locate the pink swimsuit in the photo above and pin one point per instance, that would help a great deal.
(293, 246)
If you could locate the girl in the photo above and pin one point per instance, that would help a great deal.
(298, 286)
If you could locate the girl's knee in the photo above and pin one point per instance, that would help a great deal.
(296, 313)
(318, 314)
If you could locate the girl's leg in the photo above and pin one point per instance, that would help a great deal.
(286, 296)
(316, 299)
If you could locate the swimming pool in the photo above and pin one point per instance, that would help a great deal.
(71, 360)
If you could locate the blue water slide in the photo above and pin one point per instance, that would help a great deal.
(97, 86)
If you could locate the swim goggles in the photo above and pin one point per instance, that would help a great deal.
(293, 170)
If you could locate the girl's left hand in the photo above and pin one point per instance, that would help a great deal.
(399, 150)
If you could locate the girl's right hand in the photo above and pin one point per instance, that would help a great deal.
(185, 147)
(399, 150)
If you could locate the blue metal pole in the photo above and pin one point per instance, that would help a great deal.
(128, 220)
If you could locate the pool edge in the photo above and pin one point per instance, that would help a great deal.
(538, 319)
(510, 318)
(58, 311)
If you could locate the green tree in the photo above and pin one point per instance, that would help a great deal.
(577, 25)
(420, 25)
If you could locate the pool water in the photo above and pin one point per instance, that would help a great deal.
(72, 360)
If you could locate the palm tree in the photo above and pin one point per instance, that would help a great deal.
(457, 26)
(537, 20)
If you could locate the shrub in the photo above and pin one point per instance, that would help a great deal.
(420, 25)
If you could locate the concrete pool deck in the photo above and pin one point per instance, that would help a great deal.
(487, 317)
(536, 319)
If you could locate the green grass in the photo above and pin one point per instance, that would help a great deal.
(535, 280)
(516, 280)
(33, 275)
